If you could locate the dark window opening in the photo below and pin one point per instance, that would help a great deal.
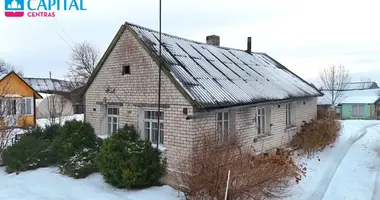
(126, 70)
(78, 109)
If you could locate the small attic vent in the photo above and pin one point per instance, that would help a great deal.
(126, 70)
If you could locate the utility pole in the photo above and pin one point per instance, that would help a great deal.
(159, 80)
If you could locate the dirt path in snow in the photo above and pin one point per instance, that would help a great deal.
(338, 156)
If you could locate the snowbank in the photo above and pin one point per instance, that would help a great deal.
(346, 170)
(44, 122)
(47, 183)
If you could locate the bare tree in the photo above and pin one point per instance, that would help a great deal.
(365, 82)
(6, 67)
(53, 108)
(9, 115)
(56, 104)
(83, 60)
(335, 79)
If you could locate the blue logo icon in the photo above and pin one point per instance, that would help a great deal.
(14, 8)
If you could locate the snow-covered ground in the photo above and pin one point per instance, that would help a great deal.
(44, 122)
(349, 169)
(48, 184)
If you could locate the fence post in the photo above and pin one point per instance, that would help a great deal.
(228, 180)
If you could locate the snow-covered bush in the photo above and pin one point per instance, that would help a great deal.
(81, 164)
(316, 135)
(126, 161)
(75, 147)
(27, 154)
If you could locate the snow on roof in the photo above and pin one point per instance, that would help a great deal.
(221, 77)
(360, 85)
(47, 85)
(360, 99)
(12, 95)
(3, 75)
(326, 98)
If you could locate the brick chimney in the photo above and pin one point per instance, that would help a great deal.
(213, 40)
(249, 45)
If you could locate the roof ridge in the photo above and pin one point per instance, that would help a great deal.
(53, 79)
(188, 40)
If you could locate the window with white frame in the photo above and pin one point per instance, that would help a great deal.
(290, 115)
(260, 120)
(358, 110)
(263, 115)
(112, 120)
(11, 107)
(26, 106)
(151, 126)
(222, 125)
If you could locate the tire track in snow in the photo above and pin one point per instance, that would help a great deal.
(324, 184)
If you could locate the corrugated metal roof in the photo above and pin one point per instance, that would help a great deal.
(47, 85)
(222, 77)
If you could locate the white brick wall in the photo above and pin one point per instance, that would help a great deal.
(140, 87)
(247, 129)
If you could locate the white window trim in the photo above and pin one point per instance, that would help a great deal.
(9, 105)
(112, 117)
(290, 111)
(151, 121)
(221, 134)
(357, 110)
(25, 104)
(259, 132)
(267, 121)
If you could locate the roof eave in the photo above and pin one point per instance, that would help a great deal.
(104, 57)
(13, 72)
(159, 60)
(255, 103)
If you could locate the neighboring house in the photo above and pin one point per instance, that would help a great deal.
(205, 89)
(17, 103)
(360, 107)
(61, 98)
(360, 96)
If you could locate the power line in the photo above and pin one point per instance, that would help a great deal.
(47, 21)
(63, 29)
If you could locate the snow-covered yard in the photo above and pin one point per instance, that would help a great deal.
(347, 170)
(48, 184)
(44, 122)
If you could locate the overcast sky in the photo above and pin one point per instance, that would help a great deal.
(305, 36)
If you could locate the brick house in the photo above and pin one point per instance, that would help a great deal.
(205, 87)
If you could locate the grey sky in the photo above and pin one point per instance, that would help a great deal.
(305, 36)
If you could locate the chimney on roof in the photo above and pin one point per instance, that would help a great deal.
(213, 40)
(249, 45)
